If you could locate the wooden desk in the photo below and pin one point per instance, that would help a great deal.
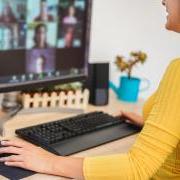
(114, 107)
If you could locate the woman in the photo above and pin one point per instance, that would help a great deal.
(44, 15)
(40, 37)
(156, 153)
(40, 64)
(70, 19)
(69, 37)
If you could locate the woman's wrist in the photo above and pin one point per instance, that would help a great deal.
(67, 167)
(56, 166)
(52, 165)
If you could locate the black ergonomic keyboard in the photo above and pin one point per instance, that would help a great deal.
(78, 133)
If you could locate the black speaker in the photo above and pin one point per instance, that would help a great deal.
(98, 83)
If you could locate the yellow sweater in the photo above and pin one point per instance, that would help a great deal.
(156, 152)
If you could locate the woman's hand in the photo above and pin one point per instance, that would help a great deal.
(28, 156)
(133, 118)
(31, 157)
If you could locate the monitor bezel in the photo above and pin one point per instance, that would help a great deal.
(23, 86)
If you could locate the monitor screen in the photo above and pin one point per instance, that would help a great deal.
(43, 42)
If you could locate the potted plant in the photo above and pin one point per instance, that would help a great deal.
(129, 85)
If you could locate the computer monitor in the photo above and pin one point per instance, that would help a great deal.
(43, 42)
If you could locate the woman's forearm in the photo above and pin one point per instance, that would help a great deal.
(68, 167)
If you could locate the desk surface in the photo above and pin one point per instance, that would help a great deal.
(114, 107)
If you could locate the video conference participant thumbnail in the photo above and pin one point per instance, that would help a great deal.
(42, 11)
(40, 61)
(41, 35)
(12, 24)
(13, 11)
(71, 18)
(12, 36)
(71, 23)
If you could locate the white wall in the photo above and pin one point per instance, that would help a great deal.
(120, 26)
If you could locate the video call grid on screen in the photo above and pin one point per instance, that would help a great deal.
(37, 31)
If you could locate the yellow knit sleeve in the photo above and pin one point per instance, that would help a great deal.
(148, 105)
(159, 137)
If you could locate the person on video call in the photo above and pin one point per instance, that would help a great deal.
(8, 15)
(69, 37)
(40, 64)
(156, 152)
(44, 15)
(40, 37)
(70, 19)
